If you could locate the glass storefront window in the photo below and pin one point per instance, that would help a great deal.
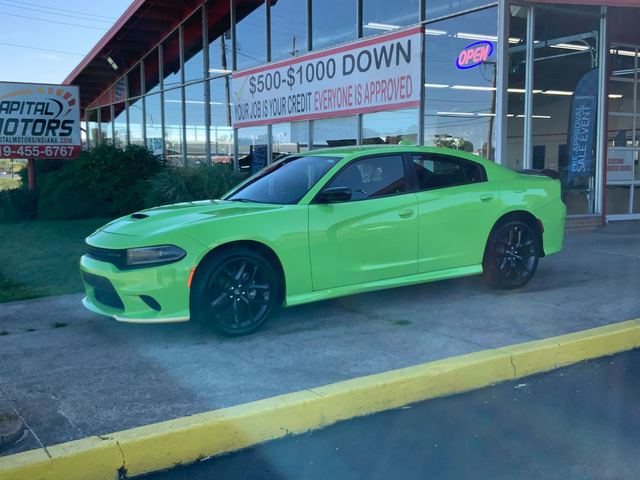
(171, 58)
(379, 16)
(441, 8)
(135, 123)
(251, 35)
(193, 54)
(221, 131)
(152, 73)
(196, 131)
(335, 132)
(153, 121)
(623, 61)
(252, 149)
(92, 133)
(390, 128)
(287, 138)
(460, 82)
(334, 21)
(563, 70)
(173, 126)
(219, 57)
(620, 132)
(105, 126)
(133, 82)
(621, 96)
(515, 157)
(288, 28)
(120, 125)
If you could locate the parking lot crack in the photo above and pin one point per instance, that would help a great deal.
(25, 423)
(515, 375)
(121, 473)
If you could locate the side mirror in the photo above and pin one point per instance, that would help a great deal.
(335, 194)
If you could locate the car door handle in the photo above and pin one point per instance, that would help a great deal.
(486, 198)
(406, 213)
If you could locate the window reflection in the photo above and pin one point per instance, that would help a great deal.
(289, 138)
(288, 28)
(195, 127)
(153, 121)
(460, 82)
(221, 131)
(120, 125)
(105, 126)
(379, 16)
(193, 55)
(335, 132)
(251, 34)
(135, 123)
(173, 126)
(334, 21)
(390, 128)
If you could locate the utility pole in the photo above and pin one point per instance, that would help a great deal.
(293, 49)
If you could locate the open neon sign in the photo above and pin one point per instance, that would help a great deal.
(474, 54)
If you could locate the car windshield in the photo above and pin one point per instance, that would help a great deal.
(286, 181)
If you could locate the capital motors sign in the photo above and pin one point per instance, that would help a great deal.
(39, 121)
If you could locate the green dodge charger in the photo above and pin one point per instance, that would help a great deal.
(320, 225)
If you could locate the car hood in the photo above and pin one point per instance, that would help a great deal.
(173, 217)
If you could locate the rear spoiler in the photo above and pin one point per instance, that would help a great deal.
(545, 172)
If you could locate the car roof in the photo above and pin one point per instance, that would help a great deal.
(378, 149)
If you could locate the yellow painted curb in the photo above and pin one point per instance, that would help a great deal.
(163, 445)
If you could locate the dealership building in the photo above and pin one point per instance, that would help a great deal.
(529, 85)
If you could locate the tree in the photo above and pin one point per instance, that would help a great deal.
(455, 143)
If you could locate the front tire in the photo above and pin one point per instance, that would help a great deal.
(234, 291)
(511, 256)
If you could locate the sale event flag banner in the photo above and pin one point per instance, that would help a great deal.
(370, 75)
(582, 126)
(39, 121)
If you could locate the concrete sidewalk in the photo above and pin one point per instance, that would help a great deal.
(95, 376)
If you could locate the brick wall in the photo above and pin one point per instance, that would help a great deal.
(583, 223)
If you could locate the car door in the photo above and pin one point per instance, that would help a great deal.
(456, 210)
(372, 237)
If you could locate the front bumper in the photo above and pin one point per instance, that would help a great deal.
(146, 295)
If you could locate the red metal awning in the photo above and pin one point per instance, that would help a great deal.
(140, 29)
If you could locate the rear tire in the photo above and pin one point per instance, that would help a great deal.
(234, 291)
(511, 255)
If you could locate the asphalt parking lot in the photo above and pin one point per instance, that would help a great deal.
(574, 423)
(89, 375)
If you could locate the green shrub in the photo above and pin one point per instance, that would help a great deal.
(103, 182)
(18, 204)
(192, 183)
(41, 166)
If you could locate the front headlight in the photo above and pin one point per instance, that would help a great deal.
(154, 256)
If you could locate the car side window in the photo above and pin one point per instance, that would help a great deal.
(373, 177)
(440, 171)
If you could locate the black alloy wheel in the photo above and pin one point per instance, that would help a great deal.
(511, 256)
(234, 292)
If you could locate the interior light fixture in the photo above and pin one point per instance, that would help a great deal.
(486, 114)
(456, 113)
(614, 95)
(514, 40)
(470, 87)
(541, 116)
(626, 53)
(556, 92)
(516, 90)
(217, 70)
(381, 26)
(435, 85)
(569, 46)
(474, 36)
(428, 31)
(112, 63)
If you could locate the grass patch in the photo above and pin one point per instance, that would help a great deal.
(9, 183)
(11, 291)
(401, 322)
(41, 259)
(59, 325)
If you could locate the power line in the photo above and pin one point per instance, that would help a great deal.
(53, 21)
(62, 10)
(53, 13)
(41, 49)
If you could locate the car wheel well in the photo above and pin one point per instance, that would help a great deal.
(525, 217)
(261, 249)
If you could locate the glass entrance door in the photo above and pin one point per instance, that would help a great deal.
(623, 136)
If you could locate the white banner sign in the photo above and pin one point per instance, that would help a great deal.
(370, 75)
(620, 164)
(39, 121)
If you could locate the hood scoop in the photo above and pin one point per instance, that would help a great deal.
(138, 216)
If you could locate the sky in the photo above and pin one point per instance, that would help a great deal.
(42, 41)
